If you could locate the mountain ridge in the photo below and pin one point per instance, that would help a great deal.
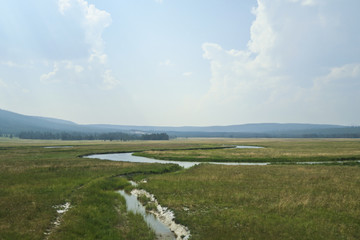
(14, 123)
(249, 127)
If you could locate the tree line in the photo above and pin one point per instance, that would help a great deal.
(111, 136)
(8, 135)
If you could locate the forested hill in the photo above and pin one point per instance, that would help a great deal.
(13, 123)
(16, 124)
(244, 128)
(32, 127)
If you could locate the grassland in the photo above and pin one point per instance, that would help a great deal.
(215, 202)
(34, 179)
(268, 202)
(275, 150)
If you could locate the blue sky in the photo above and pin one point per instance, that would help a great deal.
(176, 63)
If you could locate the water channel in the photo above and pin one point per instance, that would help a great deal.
(132, 204)
(161, 230)
(129, 157)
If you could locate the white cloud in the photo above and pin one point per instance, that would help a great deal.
(342, 82)
(97, 56)
(281, 75)
(346, 71)
(69, 73)
(305, 2)
(71, 66)
(187, 74)
(166, 63)
(50, 75)
(93, 21)
(262, 36)
(334, 96)
(109, 80)
(87, 71)
(63, 71)
(63, 5)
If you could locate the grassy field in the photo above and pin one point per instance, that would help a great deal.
(215, 202)
(267, 202)
(275, 150)
(34, 179)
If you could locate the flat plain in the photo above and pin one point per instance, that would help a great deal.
(274, 151)
(214, 201)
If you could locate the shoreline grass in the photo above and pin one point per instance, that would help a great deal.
(218, 199)
(34, 179)
(267, 202)
(274, 151)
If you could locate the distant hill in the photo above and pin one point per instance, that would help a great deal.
(245, 128)
(14, 123)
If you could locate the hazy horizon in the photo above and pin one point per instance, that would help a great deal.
(176, 126)
(182, 63)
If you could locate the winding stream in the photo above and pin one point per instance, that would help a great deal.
(163, 231)
(129, 157)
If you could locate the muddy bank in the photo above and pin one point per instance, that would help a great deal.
(61, 210)
(160, 219)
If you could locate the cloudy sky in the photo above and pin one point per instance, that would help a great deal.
(182, 62)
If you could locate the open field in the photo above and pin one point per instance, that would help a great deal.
(275, 150)
(215, 202)
(34, 179)
(266, 202)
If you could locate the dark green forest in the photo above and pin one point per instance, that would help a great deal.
(345, 132)
(111, 136)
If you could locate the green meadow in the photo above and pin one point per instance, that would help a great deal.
(34, 179)
(266, 202)
(274, 150)
(216, 202)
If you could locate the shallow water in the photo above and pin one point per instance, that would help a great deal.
(248, 147)
(128, 157)
(58, 147)
(132, 204)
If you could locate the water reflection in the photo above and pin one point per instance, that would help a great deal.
(132, 204)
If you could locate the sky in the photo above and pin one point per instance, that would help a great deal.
(182, 62)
